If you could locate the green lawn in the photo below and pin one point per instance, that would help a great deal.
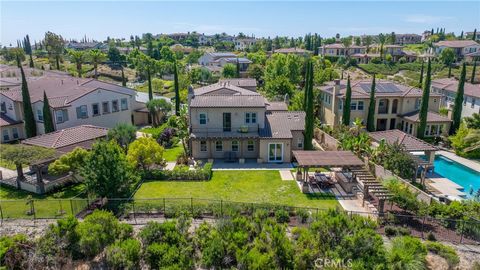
(13, 202)
(171, 154)
(239, 186)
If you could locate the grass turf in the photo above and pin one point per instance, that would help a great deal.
(249, 186)
(13, 202)
(171, 154)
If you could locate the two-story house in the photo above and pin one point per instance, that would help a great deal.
(73, 102)
(396, 106)
(460, 47)
(217, 60)
(244, 43)
(230, 122)
(448, 87)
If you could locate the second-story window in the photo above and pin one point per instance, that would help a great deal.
(115, 106)
(124, 104)
(250, 118)
(82, 112)
(3, 107)
(300, 143)
(105, 107)
(40, 115)
(61, 116)
(203, 118)
(95, 109)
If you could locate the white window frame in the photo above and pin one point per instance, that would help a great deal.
(117, 109)
(98, 109)
(203, 143)
(200, 118)
(83, 112)
(237, 144)
(250, 143)
(353, 105)
(59, 117)
(216, 146)
(123, 101)
(358, 105)
(300, 142)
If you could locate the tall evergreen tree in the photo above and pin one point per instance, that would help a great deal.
(461, 35)
(307, 81)
(474, 37)
(177, 91)
(421, 75)
(424, 104)
(47, 115)
(124, 80)
(238, 68)
(457, 108)
(472, 79)
(346, 105)
(371, 108)
(30, 125)
(309, 120)
(28, 49)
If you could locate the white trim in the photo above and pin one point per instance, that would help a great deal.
(281, 160)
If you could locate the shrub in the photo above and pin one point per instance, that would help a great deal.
(391, 231)
(282, 216)
(446, 252)
(407, 253)
(376, 60)
(97, 231)
(124, 254)
(10, 242)
(431, 237)
(303, 215)
(181, 172)
(14, 251)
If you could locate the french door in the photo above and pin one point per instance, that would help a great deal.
(275, 152)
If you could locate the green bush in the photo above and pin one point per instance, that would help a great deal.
(446, 252)
(391, 231)
(10, 242)
(282, 216)
(181, 172)
(303, 214)
(124, 254)
(407, 253)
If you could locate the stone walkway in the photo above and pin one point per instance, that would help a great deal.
(249, 165)
(286, 175)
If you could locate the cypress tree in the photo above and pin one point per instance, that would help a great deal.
(421, 75)
(238, 69)
(29, 119)
(457, 108)
(177, 91)
(346, 105)
(424, 104)
(472, 79)
(307, 81)
(28, 50)
(461, 35)
(371, 108)
(474, 34)
(309, 121)
(124, 81)
(47, 115)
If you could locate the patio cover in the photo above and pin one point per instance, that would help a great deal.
(327, 159)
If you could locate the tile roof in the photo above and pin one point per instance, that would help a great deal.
(227, 101)
(431, 117)
(7, 121)
(456, 43)
(292, 50)
(334, 46)
(411, 143)
(241, 60)
(280, 124)
(451, 84)
(68, 137)
(240, 82)
(226, 86)
(61, 90)
(222, 54)
(383, 88)
(276, 106)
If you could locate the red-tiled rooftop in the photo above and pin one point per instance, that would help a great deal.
(431, 117)
(327, 159)
(456, 43)
(451, 84)
(7, 121)
(410, 142)
(82, 136)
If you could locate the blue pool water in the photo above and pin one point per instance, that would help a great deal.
(461, 175)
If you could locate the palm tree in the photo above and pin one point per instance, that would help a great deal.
(96, 56)
(472, 140)
(368, 42)
(78, 57)
(158, 109)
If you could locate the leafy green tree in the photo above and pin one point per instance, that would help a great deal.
(158, 108)
(123, 134)
(424, 105)
(473, 121)
(22, 154)
(368, 42)
(371, 108)
(457, 107)
(114, 55)
(29, 119)
(54, 44)
(146, 65)
(229, 71)
(255, 71)
(97, 57)
(309, 121)
(70, 162)
(181, 122)
(124, 254)
(78, 57)
(382, 39)
(47, 115)
(474, 36)
(447, 56)
(144, 153)
(177, 90)
(107, 172)
(346, 104)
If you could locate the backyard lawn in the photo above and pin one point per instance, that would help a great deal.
(171, 154)
(13, 202)
(239, 186)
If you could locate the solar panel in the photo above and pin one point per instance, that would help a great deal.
(381, 88)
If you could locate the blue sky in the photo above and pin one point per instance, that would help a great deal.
(268, 18)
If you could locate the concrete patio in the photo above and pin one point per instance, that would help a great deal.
(250, 164)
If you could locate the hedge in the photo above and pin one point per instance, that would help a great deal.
(181, 172)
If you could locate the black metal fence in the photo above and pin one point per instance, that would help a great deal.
(141, 210)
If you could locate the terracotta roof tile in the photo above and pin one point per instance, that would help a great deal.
(281, 124)
(67, 137)
(410, 142)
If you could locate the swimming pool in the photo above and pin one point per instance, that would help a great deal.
(458, 173)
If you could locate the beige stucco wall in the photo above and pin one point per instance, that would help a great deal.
(227, 147)
(287, 152)
(9, 129)
(215, 118)
(296, 136)
(13, 108)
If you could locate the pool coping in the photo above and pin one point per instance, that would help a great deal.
(465, 162)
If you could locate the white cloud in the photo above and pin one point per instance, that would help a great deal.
(422, 18)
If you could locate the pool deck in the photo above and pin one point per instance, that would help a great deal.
(474, 165)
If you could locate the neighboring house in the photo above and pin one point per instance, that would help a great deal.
(66, 140)
(338, 49)
(204, 40)
(12, 130)
(244, 43)
(82, 46)
(127, 50)
(460, 47)
(242, 62)
(217, 60)
(426, 34)
(396, 106)
(448, 87)
(472, 57)
(231, 122)
(73, 102)
(297, 51)
(210, 58)
(249, 84)
(402, 39)
(469, 35)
